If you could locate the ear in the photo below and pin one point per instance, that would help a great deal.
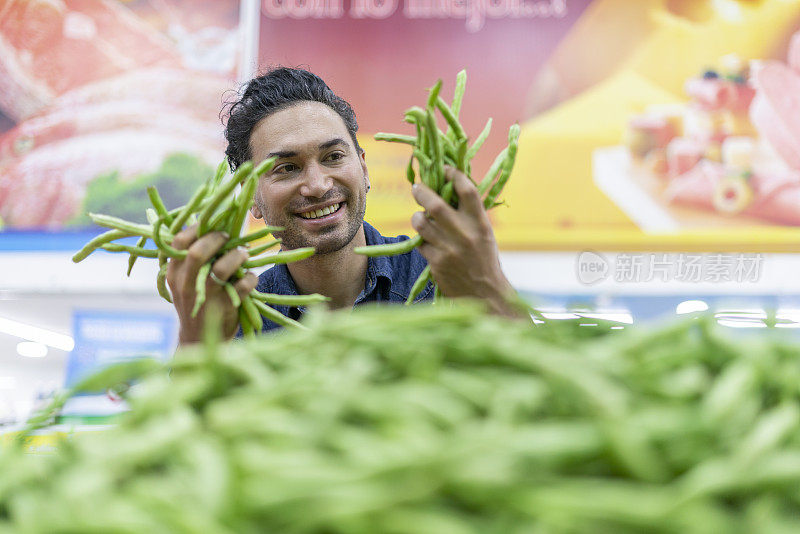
(363, 157)
(255, 211)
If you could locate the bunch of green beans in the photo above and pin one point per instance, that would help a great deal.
(432, 149)
(213, 207)
(371, 421)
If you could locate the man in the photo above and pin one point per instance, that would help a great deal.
(317, 191)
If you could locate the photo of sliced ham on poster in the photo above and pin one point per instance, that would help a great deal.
(101, 98)
(727, 157)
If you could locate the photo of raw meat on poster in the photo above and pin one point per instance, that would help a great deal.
(100, 99)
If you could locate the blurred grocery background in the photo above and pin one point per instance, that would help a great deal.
(638, 143)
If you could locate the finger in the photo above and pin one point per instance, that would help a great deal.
(229, 263)
(469, 200)
(434, 205)
(428, 229)
(185, 238)
(246, 284)
(431, 253)
(201, 252)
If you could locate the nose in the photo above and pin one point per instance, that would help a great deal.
(316, 181)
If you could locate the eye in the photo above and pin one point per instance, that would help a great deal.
(284, 168)
(335, 156)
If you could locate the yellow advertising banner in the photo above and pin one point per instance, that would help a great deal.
(671, 140)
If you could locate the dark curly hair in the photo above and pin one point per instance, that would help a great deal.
(278, 89)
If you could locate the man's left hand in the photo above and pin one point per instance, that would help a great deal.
(459, 245)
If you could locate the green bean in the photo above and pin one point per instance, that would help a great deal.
(200, 288)
(233, 295)
(635, 454)
(124, 372)
(222, 170)
(265, 166)
(733, 384)
(139, 244)
(247, 328)
(451, 119)
(419, 284)
(128, 227)
(507, 166)
(450, 152)
(417, 116)
(183, 216)
(390, 249)
(151, 215)
(289, 300)
(437, 179)
(158, 204)
(772, 428)
(396, 138)
(250, 309)
(242, 205)
(134, 251)
(263, 248)
(447, 194)
(162, 245)
(410, 176)
(491, 174)
(480, 140)
(98, 241)
(461, 156)
(281, 257)
(458, 94)
(223, 216)
(264, 232)
(221, 194)
(276, 317)
(44, 417)
(434, 94)
(161, 278)
(422, 158)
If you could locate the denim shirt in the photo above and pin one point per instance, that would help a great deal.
(389, 279)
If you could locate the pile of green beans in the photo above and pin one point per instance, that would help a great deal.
(432, 149)
(213, 207)
(371, 421)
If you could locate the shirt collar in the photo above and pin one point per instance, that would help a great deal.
(377, 267)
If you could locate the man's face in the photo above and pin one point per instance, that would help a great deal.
(317, 168)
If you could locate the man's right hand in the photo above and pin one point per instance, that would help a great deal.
(182, 276)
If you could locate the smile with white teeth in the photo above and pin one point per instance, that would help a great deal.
(315, 214)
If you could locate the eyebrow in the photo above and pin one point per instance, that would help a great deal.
(291, 153)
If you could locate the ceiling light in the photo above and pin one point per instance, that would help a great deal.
(31, 349)
(36, 334)
(691, 306)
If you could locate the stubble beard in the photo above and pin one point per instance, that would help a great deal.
(327, 240)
